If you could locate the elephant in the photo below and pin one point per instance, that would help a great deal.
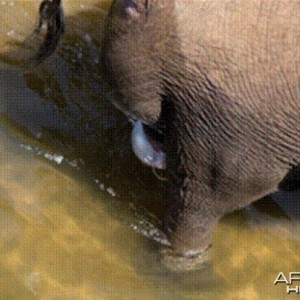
(213, 90)
(220, 82)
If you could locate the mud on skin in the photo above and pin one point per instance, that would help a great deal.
(225, 98)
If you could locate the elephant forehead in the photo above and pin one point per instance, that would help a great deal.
(257, 30)
(235, 43)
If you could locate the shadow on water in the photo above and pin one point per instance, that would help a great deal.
(66, 108)
(67, 163)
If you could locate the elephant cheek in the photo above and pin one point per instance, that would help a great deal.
(146, 148)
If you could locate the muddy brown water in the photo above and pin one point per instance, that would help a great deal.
(79, 215)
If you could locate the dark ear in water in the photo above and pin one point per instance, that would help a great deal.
(52, 16)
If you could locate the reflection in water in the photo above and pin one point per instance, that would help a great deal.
(79, 214)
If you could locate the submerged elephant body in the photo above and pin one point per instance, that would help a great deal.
(222, 78)
(221, 81)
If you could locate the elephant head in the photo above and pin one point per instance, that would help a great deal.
(202, 75)
(213, 90)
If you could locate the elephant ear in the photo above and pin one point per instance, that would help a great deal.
(130, 9)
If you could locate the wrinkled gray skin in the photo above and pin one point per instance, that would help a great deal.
(223, 79)
(220, 79)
